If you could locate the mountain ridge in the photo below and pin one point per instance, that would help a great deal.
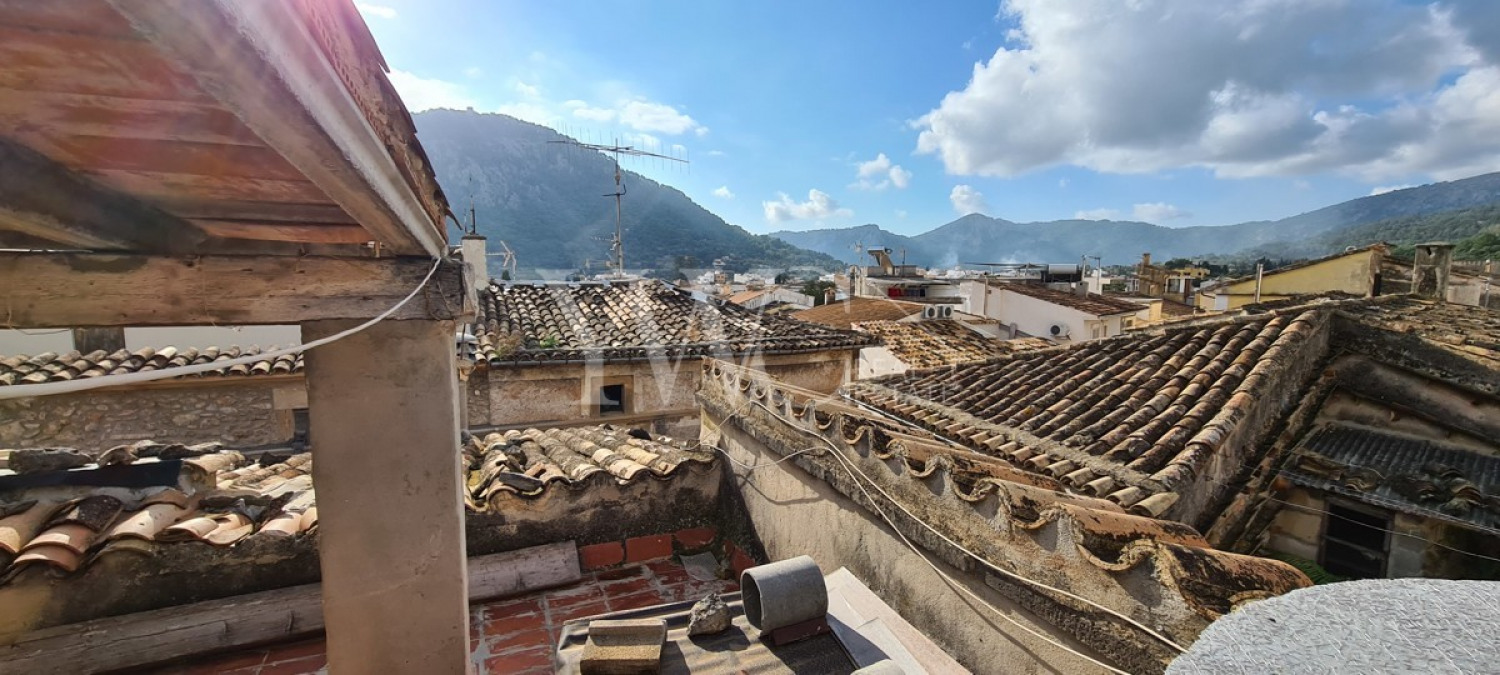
(545, 201)
(979, 238)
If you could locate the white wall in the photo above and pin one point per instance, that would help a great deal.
(1034, 316)
(878, 361)
(33, 342)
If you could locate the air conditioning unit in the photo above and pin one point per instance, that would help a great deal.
(930, 312)
(945, 312)
(1058, 330)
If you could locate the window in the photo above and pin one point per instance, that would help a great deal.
(1355, 541)
(300, 429)
(1100, 330)
(612, 399)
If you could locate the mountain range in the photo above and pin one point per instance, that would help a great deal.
(977, 238)
(544, 198)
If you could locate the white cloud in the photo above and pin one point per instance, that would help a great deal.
(819, 205)
(723, 192)
(658, 117)
(1380, 88)
(967, 200)
(473, 72)
(527, 90)
(1062, 183)
(640, 115)
(879, 174)
(1097, 214)
(1157, 212)
(421, 93)
(901, 214)
(371, 9)
(1382, 189)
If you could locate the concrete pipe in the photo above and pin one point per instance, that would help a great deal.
(783, 593)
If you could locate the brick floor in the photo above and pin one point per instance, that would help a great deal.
(512, 635)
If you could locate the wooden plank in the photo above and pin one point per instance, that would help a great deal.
(37, 113)
(260, 62)
(155, 186)
(312, 233)
(176, 157)
(41, 198)
(145, 638)
(214, 209)
(90, 64)
(99, 289)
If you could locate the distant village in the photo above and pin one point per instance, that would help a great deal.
(284, 421)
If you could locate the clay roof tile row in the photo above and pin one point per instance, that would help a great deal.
(55, 367)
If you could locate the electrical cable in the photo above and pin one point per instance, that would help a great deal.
(1208, 479)
(71, 386)
(1004, 572)
(855, 475)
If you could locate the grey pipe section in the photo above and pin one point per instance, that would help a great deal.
(783, 593)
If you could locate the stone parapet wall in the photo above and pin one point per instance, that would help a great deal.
(236, 413)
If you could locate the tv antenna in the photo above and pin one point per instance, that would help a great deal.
(617, 245)
(507, 259)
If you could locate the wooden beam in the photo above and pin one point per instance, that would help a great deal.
(43, 199)
(265, 230)
(260, 62)
(162, 635)
(39, 289)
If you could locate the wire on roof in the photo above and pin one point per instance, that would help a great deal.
(72, 386)
(985, 562)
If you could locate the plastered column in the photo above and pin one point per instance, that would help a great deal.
(384, 414)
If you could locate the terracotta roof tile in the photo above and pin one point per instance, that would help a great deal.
(54, 367)
(1013, 507)
(1408, 474)
(846, 313)
(1471, 332)
(937, 342)
(1098, 305)
(222, 498)
(634, 320)
(1143, 411)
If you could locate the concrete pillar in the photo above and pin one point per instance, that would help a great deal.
(384, 409)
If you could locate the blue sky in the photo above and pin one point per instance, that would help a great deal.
(830, 114)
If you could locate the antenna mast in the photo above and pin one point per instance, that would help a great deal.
(617, 245)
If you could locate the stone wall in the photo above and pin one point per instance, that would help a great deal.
(237, 412)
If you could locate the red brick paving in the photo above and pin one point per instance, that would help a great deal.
(513, 635)
(640, 549)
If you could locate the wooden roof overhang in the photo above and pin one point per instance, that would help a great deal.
(195, 121)
(262, 132)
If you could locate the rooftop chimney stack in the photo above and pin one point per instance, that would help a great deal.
(477, 270)
(1429, 276)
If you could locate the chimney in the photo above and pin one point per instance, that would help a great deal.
(477, 270)
(88, 340)
(1145, 260)
(1429, 275)
(829, 295)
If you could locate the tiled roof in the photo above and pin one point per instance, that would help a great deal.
(845, 313)
(743, 297)
(1021, 521)
(222, 498)
(524, 463)
(1470, 332)
(937, 342)
(624, 321)
(1400, 472)
(1125, 418)
(1097, 305)
(53, 367)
